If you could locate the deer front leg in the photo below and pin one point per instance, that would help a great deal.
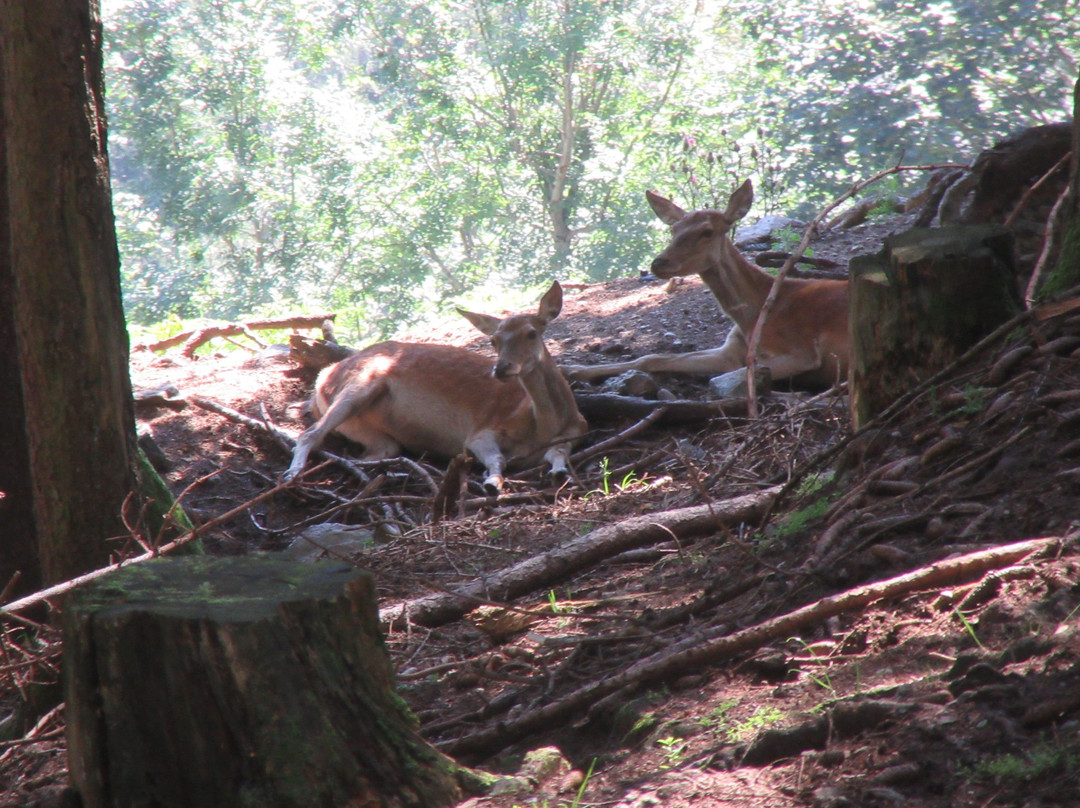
(558, 457)
(711, 362)
(486, 449)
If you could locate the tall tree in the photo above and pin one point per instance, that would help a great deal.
(231, 144)
(862, 84)
(1067, 225)
(66, 419)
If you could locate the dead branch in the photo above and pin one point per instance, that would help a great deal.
(316, 353)
(194, 338)
(61, 588)
(697, 654)
(621, 437)
(610, 407)
(1010, 220)
(574, 557)
(1044, 255)
(772, 259)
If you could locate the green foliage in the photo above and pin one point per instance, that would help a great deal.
(383, 159)
(673, 751)
(629, 480)
(762, 718)
(970, 629)
(1042, 761)
(797, 521)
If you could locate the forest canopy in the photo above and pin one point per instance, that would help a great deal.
(383, 159)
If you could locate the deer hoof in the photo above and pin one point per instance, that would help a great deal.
(493, 485)
(558, 476)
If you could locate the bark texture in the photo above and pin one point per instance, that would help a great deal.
(66, 418)
(239, 682)
(920, 303)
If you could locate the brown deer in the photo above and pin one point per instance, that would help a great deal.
(443, 399)
(805, 338)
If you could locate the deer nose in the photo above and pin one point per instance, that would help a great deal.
(658, 265)
(505, 370)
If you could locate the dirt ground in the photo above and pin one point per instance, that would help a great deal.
(962, 694)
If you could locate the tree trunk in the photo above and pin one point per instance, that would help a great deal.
(239, 682)
(66, 419)
(1067, 227)
(921, 302)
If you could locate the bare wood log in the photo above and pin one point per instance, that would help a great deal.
(240, 681)
(316, 353)
(236, 329)
(610, 407)
(571, 558)
(700, 654)
(922, 301)
(776, 258)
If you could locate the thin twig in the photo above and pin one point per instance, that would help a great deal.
(67, 586)
(1044, 254)
(1010, 220)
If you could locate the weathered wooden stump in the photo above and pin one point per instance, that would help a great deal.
(921, 302)
(239, 682)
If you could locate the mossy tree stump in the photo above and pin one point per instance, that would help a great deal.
(239, 682)
(928, 296)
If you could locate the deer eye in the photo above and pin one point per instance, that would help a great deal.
(532, 335)
(705, 234)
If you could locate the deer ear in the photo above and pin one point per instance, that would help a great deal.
(666, 210)
(740, 202)
(550, 303)
(485, 322)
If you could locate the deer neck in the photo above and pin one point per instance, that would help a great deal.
(551, 400)
(739, 286)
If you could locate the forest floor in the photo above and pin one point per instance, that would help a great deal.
(960, 688)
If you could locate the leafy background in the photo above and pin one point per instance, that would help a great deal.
(386, 159)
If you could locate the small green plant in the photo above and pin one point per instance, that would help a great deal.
(645, 723)
(605, 478)
(968, 627)
(717, 720)
(673, 751)
(974, 400)
(628, 481)
(796, 521)
(1035, 764)
(822, 680)
(576, 802)
(762, 718)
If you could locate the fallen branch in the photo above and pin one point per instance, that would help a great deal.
(570, 559)
(316, 353)
(698, 654)
(194, 338)
(610, 407)
(61, 588)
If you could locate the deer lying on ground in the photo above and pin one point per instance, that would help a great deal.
(805, 338)
(443, 399)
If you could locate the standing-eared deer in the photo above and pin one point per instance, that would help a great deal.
(443, 399)
(805, 338)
